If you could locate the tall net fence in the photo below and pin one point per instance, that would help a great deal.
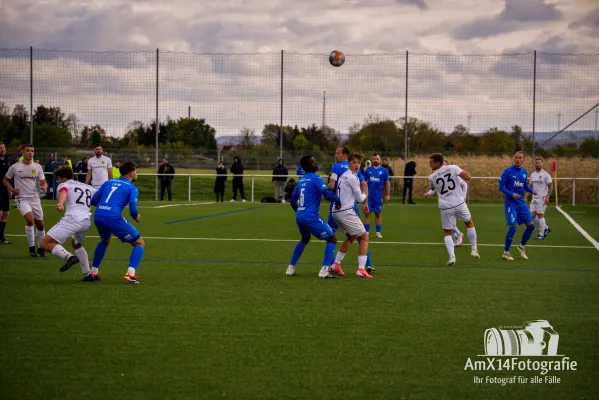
(121, 94)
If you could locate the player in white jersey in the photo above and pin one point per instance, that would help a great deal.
(99, 168)
(76, 198)
(26, 175)
(444, 181)
(456, 235)
(542, 184)
(348, 221)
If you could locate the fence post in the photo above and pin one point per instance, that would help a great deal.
(156, 122)
(31, 94)
(598, 178)
(406, 115)
(471, 181)
(534, 107)
(189, 188)
(252, 188)
(281, 116)
(574, 186)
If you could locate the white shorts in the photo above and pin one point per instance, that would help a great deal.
(349, 223)
(538, 206)
(70, 228)
(449, 216)
(33, 206)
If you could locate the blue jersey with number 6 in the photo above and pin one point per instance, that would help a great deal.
(113, 196)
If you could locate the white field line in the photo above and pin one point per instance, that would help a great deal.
(579, 228)
(185, 204)
(296, 240)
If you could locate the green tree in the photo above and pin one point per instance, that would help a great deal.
(51, 135)
(301, 143)
(496, 141)
(195, 132)
(375, 134)
(247, 139)
(271, 136)
(589, 148)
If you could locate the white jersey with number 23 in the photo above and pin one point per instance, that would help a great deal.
(446, 182)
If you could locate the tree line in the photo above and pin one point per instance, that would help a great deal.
(52, 127)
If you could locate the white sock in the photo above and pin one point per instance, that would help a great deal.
(131, 271)
(536, 220)
(472, 237)
(339, 257)
(456, 230)
(83, 260)
(40, 235)
(61, 252)
(362, 261)
(542, 226)
(291, 266)
(449, 245)
(29, 232)
(325, 268)
(95, 270)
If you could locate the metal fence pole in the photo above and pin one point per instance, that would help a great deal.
(281, 120)
(406, 114)
(252, 188)
(471, 181)
(31, 94)
(598, 180)
(189, 188)
(574, 185)
(156, 124)
(534, 106)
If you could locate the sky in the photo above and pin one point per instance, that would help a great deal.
(470, 62)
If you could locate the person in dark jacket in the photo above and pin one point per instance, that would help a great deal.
(81, 170)
(408, 183)
(166, 173)
(237, 169)
(279, 178)
(219, 184)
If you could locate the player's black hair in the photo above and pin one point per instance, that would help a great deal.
(355, 155)
(345, 150)
(437, 157)
(97, 145)
(64, 172)
(305, 163)
(376, 154)
(24, 146)
(127, 167)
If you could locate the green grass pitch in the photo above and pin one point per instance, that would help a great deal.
(216, 317)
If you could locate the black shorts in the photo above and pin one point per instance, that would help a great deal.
(4, 203)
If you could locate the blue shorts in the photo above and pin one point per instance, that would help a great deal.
(517, 214)
(316, 227)
(118, 227)
(375, 205)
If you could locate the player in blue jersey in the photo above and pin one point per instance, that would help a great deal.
(305, 201)
(339, 168)
(379, 190)
(300, 171)
(513, 183)
(110, 200)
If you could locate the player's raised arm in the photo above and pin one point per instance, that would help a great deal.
(465, 175)
(503, 184)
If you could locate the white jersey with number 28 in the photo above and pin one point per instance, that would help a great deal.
(445, 181)
(79, 198)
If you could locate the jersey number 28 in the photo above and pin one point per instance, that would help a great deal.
(88, 196)
(446, 181)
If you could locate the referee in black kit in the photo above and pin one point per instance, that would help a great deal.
(4, 203)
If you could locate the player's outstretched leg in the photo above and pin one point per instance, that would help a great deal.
(336, 268)
(50, 245)
(329, 257)
(530, 228)
(134, 259)
(297, 253)
(509, 238)
(450, 246)
(471, 232)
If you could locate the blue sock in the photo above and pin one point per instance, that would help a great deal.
(527, 234)
(368, 262)
(329, 254)
(509, 238)
(367, 226)
(135, 258)
(378, 228)
(99, 254)
(297, 253)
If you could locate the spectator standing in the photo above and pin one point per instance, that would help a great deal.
(67, 162)
(279, 179)
(81, 170)
(237, 169)
(4, 194)
(49, 168)
(116, 173)
(99, 168)
(219, 184)
(387, 166)
(166, 173)
(410, 170)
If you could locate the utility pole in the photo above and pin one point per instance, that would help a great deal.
(596, 131)
(324, 108)
(469, 119)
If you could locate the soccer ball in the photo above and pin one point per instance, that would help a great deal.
(336, 58)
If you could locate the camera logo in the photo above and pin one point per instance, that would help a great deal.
(535, 338)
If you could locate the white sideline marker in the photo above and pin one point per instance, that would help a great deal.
(579, 228)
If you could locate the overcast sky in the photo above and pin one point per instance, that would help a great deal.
(233, 91)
